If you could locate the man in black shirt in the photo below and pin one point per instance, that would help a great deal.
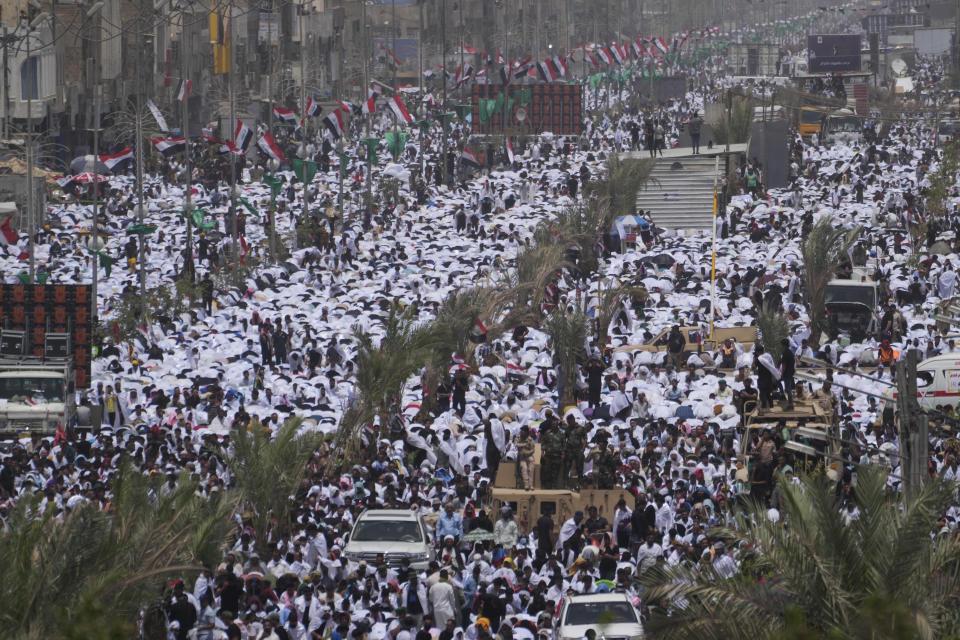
(595, 523)
(544, 536)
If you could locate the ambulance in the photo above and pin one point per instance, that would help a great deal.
(938, 381)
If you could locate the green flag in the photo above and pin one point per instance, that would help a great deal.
(596, 79)
(198, 217)
(447, 117)
(486, 107)
(463, 110)
(372, 144)
(304, 170)
(344, 163)
(273, 182)
(249, 207)
(424, 125)
(396, 142)
(523, 96)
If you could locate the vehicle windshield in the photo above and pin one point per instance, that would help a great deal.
(846, 124)
(387, 531)
(36, 389)
(810, 117)
(841, 293)
(600, 613)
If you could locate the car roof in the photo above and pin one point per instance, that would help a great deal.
(599, 597)
(389, 514)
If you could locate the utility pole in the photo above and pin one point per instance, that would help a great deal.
(914, 439)
(305, 155)
(366, 87)
(188, 167)
(95, 236)
(139, 133)
(29, 138)
(443, 79)
(235, 235)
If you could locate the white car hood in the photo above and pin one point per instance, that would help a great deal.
(620, 629)
(385, 547)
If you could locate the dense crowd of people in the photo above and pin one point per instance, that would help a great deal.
(659, 425)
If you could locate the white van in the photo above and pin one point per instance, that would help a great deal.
(938, 381)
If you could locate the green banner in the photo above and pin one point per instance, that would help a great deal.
(371, 144)
(273, 182)
(396, 142)
(304, 169)
(344, 163)
(523, 96)
(463, 110)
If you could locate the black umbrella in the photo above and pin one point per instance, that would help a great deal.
(88, 164)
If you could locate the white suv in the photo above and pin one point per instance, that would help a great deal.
(396, 534)
(611, 615)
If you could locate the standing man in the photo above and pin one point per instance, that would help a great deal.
(574, 444)
(525, 451)
(551, 446)
(695, 124)
(788, 366)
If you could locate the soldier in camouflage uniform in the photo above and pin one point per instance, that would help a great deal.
(551, 448)
(604, 465)
(575, 440)
(525, 450)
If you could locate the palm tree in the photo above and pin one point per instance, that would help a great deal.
(868, 578)
(773, 327)
(734, 126)
(267, 470)
(825, 248)
(619, 187)
(568, 336)
(383, 369)
(521, 290)
(88, 572)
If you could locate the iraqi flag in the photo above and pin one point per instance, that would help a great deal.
(312, 107)
(506, 75)
(594, 61)
(269, 147)
(370, 106)
(545, 69)
(510, 155)
(500, 59)
(605, 55)
(468, 158)
(560, 65)
(113, 159)
(334, 123)
(399, 109)
(619, 54)
(183, 90)
(242, 137)
(168, 145)
(637, 47)
(285, 114)
(9, 238)
(464, 74)
(349, 107)
(660, 45)
(522, 68)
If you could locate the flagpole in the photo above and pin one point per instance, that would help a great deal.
(188, 176)
(713, 250)
(235, 235)
(443, 77)
(364, 89)
(95, 238)
(139, 132)
(306, 125)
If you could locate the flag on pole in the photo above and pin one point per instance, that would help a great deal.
(161, 121)
(312, 107)
(183, 90)
(464, 74)
(506, 75)
(500, 59)
(594, 61)
(545, 69)
(113, 159)
(618, 53)
(8, 235)
(560, 64)
(370, 106)
(522, 68)
(660, 44)
(605, 55)
(284, 114)
(269, 146)
(399, 109)
(468, 157)
(165, 145)
(510, 156)
(637, 49)
(242, 137)
(334, 122)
